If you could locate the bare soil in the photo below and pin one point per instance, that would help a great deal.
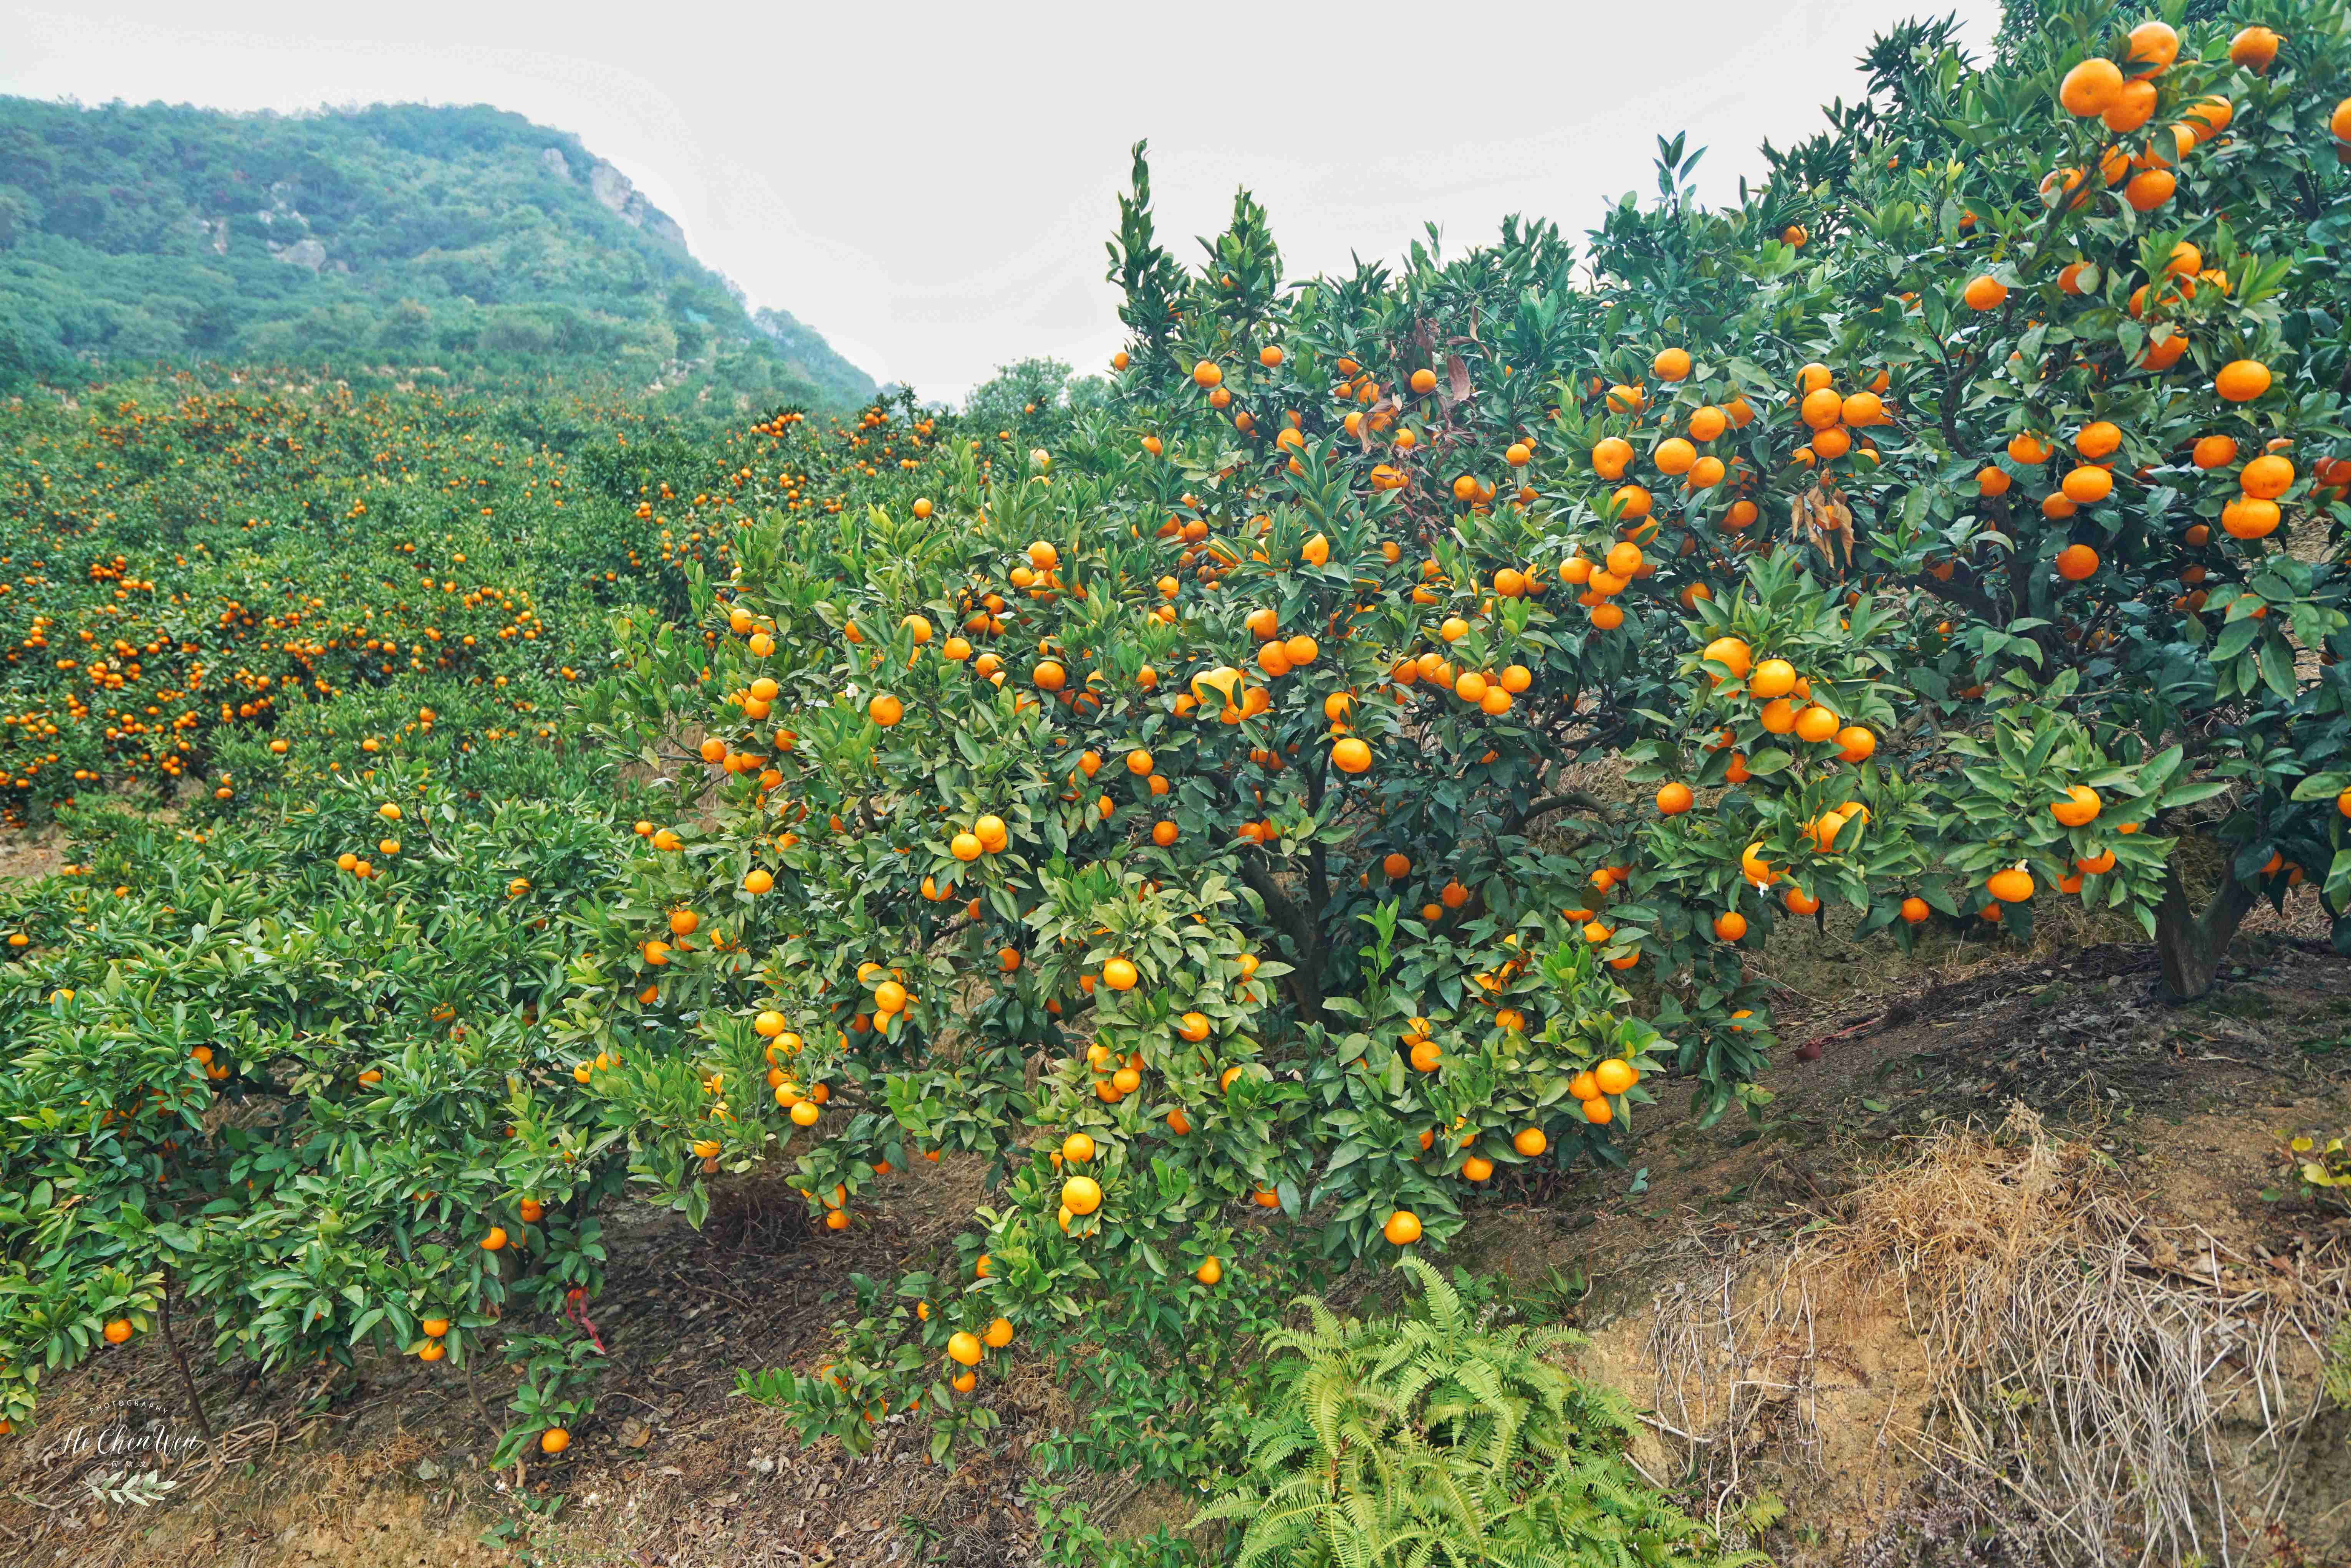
(384, 1464)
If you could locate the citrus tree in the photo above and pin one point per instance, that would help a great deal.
(1204, 814)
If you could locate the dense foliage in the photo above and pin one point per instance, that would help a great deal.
(428, 242)
(1199, 823)
(1261, 809)
(278, 1060)
(1440, 1439)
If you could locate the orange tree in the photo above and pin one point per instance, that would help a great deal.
(275, 1076)
(1192, 818)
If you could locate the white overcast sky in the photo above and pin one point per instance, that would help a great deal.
(930, 185)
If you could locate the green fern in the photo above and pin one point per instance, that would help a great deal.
(1441, 1441)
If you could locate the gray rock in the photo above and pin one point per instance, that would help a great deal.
(557, 164)
(306, 253)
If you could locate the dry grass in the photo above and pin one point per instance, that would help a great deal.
(2136, 1392)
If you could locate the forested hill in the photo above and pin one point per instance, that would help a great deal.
(406, 240)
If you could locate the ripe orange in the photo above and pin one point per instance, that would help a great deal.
(2076, 562)
(554, 1440)
(2249, 517)
(1915, 910)
(965, 1348)
(2267, 477)
(1674, 798)
(2079, 808)
(2133, 107)
(1982, 293)
(2150, 188)
(1119, 974)
(2013, 885)
(2153, 47)
(1402, 1228)
(1731, 926)
(1082, 1195)
(2241, 380)
(1815, 724)
(2255, 48)
(2089, 88)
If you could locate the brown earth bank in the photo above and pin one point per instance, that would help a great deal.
(2012, 1271)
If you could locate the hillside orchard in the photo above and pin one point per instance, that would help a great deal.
(1208, 807)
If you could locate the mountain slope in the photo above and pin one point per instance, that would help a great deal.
(466, 241)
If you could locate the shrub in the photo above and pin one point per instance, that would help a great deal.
(1441, 1439)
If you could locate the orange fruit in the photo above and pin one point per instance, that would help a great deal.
(1731, 926)
(1732, 654)
(2215, 451)
(1402, 1228)
(2013, 885)
(2075, 562)
(2249, 517)
(2153, 47)
(1815, 724)
(2150, 188)
(2089, 88)
(2267, 477)
(2133, 107)
(2241, 380)
(1674, 798)
(2255, 48)
(2079, 808)
(1982, 293)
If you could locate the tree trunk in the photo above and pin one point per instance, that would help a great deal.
(2191, 944)
(180, 1360)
